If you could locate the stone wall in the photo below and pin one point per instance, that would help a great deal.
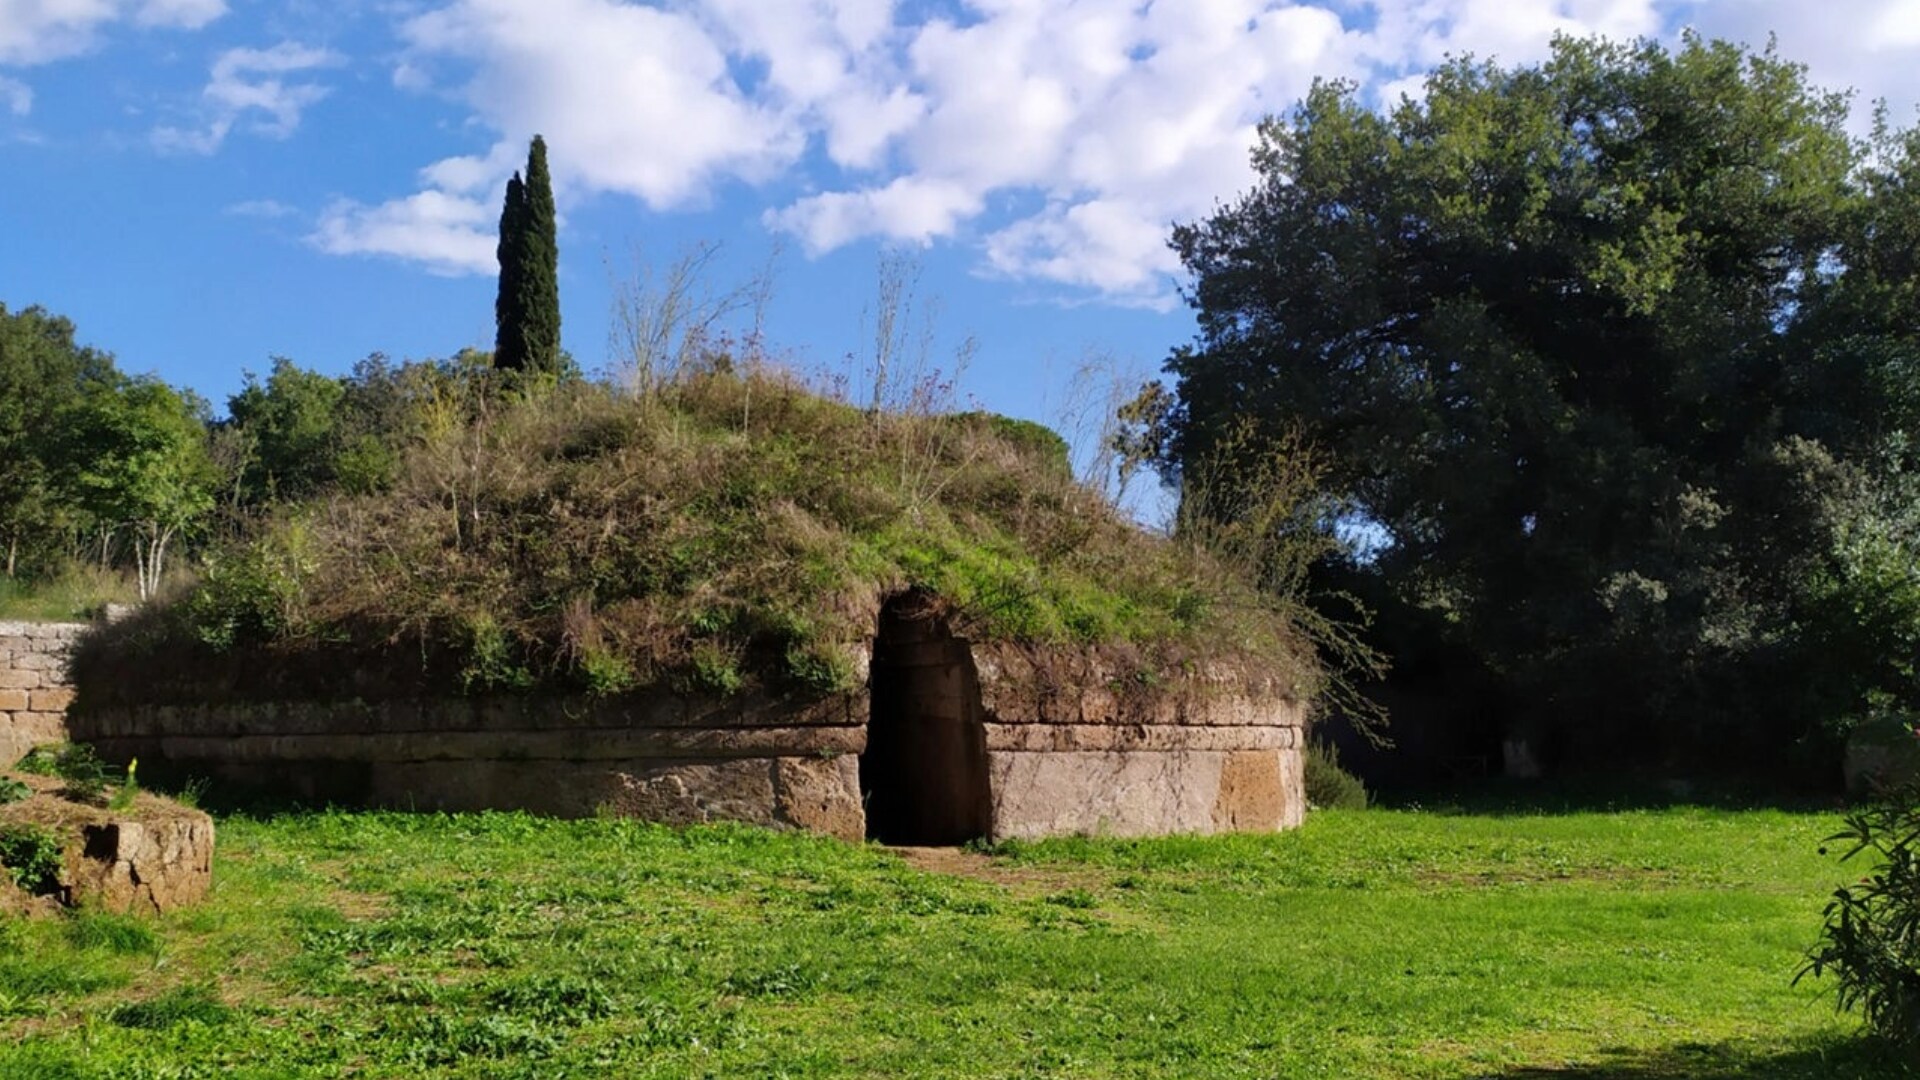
(1230, 758)
(34, 693)
(943, 746)
(660, 756)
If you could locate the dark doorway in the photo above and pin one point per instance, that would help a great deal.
(924, 772)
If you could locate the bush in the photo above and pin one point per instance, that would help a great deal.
(1871, 940)
(1330, 787)
(76, 763)
(30, 856)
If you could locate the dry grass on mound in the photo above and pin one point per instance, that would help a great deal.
(725, 532)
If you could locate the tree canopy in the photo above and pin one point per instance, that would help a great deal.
(1612, 360)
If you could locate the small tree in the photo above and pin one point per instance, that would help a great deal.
(527, 307)
(139, 459)
(1871, 941)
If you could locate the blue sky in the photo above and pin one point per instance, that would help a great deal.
(204, 184)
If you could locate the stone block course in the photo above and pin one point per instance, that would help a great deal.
(51, 699)
(34, 694)
(946, 744)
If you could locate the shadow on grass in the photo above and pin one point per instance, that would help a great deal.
(1500, 797)
(1851, 1059)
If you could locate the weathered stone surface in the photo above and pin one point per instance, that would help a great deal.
(817, 794)
(502, 745)
(820, 795)
(22, 731)
(1222, 753)
(13, 701)
(51, 699)
(1157, 737)
(20, 679)
(518, 715)
(1253, 796)
(1139, 793)
(56, 664)
(42, 631)
(44, 726)
(153, 865)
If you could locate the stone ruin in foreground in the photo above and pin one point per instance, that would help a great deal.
(948, 743)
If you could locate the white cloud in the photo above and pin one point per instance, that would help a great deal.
(191, 14)
(1122, 117)
(448, 233)
(910, 208)
(1106, 120)
(1870, 46)
(17, 95)
(631, 99)
(252, 84)
(41, 31)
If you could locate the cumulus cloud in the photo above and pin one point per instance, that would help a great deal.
(632, 99)
(1869, 46)
(1058, 138)
(448, 233)
(255, 86)
(41, 31)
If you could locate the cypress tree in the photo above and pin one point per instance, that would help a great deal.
(527, 309)
(540, 286)
(509, 342)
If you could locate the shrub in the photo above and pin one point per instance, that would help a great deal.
(40, 760)
(30, 855)
(12, 790)
(1871, 941)
(254, 590)
(1330, 787)
(76, 763)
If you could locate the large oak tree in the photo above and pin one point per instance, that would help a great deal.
(1612, 359)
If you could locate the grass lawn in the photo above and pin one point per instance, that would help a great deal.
(1635, 944)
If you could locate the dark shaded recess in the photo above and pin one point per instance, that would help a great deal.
(924, 773)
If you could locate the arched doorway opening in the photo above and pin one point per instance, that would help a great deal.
(924, 773)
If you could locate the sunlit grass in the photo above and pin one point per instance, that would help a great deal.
(1655, 943)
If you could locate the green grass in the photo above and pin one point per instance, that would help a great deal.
(75, 592)
(1637, 944)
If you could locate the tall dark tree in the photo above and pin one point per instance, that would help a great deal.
(527, 308)
(509, 342)
(1595, 357)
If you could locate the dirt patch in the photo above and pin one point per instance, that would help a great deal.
(1020, 880)
(52, 807)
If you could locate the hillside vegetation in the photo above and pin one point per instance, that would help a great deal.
(726, 533)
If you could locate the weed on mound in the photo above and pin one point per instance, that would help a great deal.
(728, 533)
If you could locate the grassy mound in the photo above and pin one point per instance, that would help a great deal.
(726, 534)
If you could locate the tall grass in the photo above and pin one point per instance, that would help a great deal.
(77, 590)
